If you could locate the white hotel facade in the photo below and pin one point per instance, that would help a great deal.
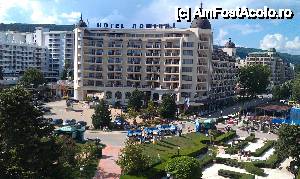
(156, 61)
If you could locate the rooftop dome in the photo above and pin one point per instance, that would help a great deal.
(201, 23)
(81, 23)
(230, 44)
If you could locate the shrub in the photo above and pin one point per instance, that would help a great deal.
(132, 160)
(235, 149)
(272, 161)
(251, 168)
(183, 167)
(250, 138)
(234, 175)
(263, 149)
(225, 137)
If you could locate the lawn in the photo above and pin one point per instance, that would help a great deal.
(190, 144)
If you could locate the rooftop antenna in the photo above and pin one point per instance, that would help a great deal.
(229, 39)
(201, 5)
(80, 16)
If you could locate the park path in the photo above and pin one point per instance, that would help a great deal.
(108, 169)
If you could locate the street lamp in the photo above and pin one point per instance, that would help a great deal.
(81, 170)
(178, 148)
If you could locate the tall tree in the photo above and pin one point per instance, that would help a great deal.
(282, 92)
(32, 76)
(296, 89)
(151, 111)
(254, 79)
(136, 100)
(168, 107)
(28, 148)
(289, 142)
(102, 115)
(132, 160)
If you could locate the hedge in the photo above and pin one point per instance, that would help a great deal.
(249, 167)
(236, 148)
(234, 175)
(271, 162)
(259, 152)
(225, 137)
(250, 138)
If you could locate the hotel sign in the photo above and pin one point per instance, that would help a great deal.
(136, 26)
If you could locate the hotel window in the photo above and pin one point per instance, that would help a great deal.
(188, 44)
(187, 78)
(187, 61)
(187, 69)
(186, 86)
(188, 52)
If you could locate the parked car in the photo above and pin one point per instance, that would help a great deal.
(66, 122)
(56, 121)
(119, 122)
(82, 123)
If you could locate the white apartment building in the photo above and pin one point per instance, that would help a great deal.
(16, 56)
(157, 61)
(58, 46)
(280, 70)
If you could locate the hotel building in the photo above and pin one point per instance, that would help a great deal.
(16, 56)
(280, 70)
(49, 51)
(157, 61)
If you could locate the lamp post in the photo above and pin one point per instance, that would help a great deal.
(81, 170)
(296, 171)
(178, 149)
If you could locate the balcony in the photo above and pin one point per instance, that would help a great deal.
(171, 79)
(115, 45)
(114, 53)
(152, 62)
(153, 46)
(134, 54)
(134, 46)
(172, 46)
(153, 54)
(172, 54)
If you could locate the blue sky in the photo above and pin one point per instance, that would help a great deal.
(281, 34)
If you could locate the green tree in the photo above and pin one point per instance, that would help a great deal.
(32, 76)
(28, 148)
(168, 107)
(151, 111)
(132, 160)
(136, 100)
(282, 92)
(296, 89)
(289, 142)
(183, 167)
(102, 115)
(254, 79)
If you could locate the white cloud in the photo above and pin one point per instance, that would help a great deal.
(247, 28)
(71, 17)
(221, 37)
(293, 44)
(114, 17)
(281, 43)
(36, 11)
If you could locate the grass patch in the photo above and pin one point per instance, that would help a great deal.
(192, 144)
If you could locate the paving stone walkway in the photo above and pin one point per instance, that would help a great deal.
(108, 169)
